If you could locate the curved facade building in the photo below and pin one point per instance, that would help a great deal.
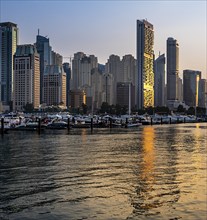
(145, 58)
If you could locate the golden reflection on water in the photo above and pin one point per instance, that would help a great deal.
(83, 135)
(148, 153)
(197, 125)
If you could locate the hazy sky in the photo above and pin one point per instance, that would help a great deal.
(105, 27)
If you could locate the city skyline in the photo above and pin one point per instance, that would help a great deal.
(105, 28)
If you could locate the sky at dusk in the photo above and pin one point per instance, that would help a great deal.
(105, 27)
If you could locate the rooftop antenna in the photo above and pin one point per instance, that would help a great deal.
(38, 31)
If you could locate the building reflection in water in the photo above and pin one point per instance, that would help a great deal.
(148, 155)
(157, 184)
(145, 172)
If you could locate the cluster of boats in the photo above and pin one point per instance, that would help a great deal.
(14, 121)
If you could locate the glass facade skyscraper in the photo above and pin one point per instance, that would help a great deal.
(145, 57)
(44, 49)
(8, 45)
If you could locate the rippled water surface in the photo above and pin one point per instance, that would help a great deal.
(151, 172)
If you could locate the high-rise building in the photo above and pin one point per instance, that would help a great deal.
(202, 93)
(82, 68)
(75, 76)
(124, 92)
(67, 70)
(54, 85)
(56, 58)
(108, 88)
(45, 51)
(159, 80)
(8, 45)
(128, 69)
(26, 77)
(89, 65)
(129, 73)
(113, 68)
(191, 80)
(172, 69)
(97, 88)
(180, 89)
(78, 97)
(145, 54)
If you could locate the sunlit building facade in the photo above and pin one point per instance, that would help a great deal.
(145, 57)
(77, 98)
(26, 77)
(67, 70)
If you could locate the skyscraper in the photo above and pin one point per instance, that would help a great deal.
(145, 42)
(8, 45)
(26, 77)
(67, 70)
(97, 87)
(159, 74)
(45, 51)
(128, 75)
(123, 94)
(113, 67)
(172, 69)
(202, 94)
(54, 85)
(191, 80)
(128, 68)
(56, 58)
(180, 89)
(75, 76)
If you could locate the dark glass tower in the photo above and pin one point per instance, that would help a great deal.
(8, 45)
(44, 49)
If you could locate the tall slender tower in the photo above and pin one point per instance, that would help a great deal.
(159, 68)
(8, 45)
(145, 42)
(202, 94)
(172, 69)
(113, 67)
(45, 51)
(67, 70)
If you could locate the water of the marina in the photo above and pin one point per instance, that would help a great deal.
(151, 172)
